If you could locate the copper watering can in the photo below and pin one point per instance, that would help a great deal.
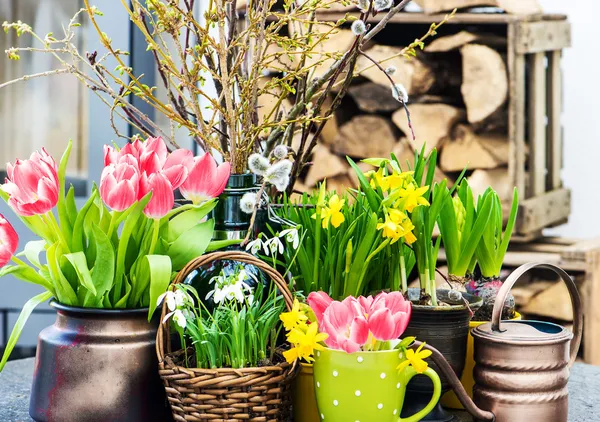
(521, 367)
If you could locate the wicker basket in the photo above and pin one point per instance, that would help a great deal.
(225, 394)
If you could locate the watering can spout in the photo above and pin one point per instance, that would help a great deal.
(459, 390)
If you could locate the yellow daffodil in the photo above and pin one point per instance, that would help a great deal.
(377, 178)
(412, 197)
(400, 180)
(389, 229)
(332, 213)
(305, 340)
(397, 225)
(294, 317)
(415, 359)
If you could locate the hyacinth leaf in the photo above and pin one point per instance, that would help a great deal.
(191, 244)
(469, 244)
(186, 220)
(510, 225)
(28, 308)
(362, 253)
(159, 270)
(63, 214)
(79, 262)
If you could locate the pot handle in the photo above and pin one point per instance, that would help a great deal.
(452, 379)
(575, 302)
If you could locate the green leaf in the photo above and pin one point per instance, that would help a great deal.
(63, 213)
(28, 274)
(215, 245)
(103, 272)
(188, 219)
(159, 269)
(510, 225)
(407, 341)
(79, 261)
(377, 162)
(78, 230)
(32, 251)
(71, 206)
(372, 197)
(64, 292)
(28, 308)
(191, 244)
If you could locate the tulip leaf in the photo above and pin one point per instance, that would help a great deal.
(159, 271)
(28, 308)
(103, 273)
(63, 213)
(64, 292)
(191, 244)
(188, 219)
(71, 206)
(28, 274)
(32, 251)
(79, 261)
(122, 302)
(215, 245)
(78, 229)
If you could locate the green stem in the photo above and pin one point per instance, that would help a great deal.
(19, 261)
(51, 220)
(317, 251)
(403, 272)
(156, 229)
(114, 216)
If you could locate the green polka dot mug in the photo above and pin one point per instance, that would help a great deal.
(365, 386)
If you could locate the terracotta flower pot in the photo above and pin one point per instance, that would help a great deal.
(98, 365)
(449, 399)
(366, 386)
(303, 394)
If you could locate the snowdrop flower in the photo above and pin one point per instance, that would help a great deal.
(230, 288)
(248, 202)
(390, 70)
(364, 5)
(399, 93)
(273, 246)
(258, 164)
(178, 317)
(382, 4)
(280, 152)
(254, 246)
(358, 27)
(291, 235)
(170, 298)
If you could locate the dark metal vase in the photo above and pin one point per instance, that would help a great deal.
(98, 365)
(445, 328)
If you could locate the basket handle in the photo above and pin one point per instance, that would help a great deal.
(575, 301)
(163, 334)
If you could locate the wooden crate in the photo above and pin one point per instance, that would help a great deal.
(581, 260)
(533, 52)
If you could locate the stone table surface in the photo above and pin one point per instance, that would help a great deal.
(15, 383)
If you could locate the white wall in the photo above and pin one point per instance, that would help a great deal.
(581, 118)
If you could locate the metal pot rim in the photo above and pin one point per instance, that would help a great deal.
(95, 311)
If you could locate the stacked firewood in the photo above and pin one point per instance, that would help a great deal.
(458, 93)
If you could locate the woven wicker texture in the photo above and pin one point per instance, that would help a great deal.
(225, 394)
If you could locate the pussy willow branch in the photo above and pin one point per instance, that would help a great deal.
(35, 75)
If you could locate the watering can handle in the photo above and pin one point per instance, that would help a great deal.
(575, 301)
(452, 379)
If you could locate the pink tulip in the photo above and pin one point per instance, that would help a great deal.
(153, 155)
(177, 167)
(318, 302)
(346, 326)
(119, 185)
(9, 240)
(206, 180)
(389, 316)
(162, 200)
(32, 184)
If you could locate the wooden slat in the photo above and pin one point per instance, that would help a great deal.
(555, 131)
(537, 37)
(459, 18)
(537, 123)
(516, 115)
(591, 293)
(544, 210)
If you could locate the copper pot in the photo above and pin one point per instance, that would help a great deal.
(521, 367)
(98, 365)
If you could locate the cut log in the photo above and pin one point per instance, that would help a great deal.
(432, 123)
(498, 179)
(474, 151)
(267, 101)
(485, 81)
(325, 165)
(337, 41)
(339, 184)
(278, 61)
(523, 294)
(365, 136)
(331, 129)
(374, 98)
(454, 42)
(416, 76)
(516, 7)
